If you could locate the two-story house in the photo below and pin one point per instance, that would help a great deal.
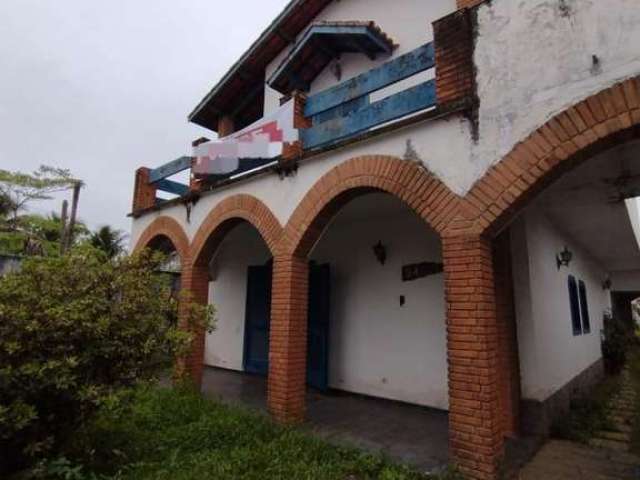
(421, 201)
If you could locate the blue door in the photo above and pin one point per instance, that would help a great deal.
(318, 326)
(257, 320)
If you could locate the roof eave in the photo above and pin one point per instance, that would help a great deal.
(193, 116)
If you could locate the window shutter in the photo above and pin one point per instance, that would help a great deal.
(575, 307)
(584, 308)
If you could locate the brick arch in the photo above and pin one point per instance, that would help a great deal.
(411, 183)
(588, 128)
(169, 228)
(226, 215)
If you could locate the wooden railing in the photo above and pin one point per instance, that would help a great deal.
(345, 111)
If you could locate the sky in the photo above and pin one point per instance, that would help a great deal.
(104, 87)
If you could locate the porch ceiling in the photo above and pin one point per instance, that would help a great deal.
(586, 204)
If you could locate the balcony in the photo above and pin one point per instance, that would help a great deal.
(431, 81)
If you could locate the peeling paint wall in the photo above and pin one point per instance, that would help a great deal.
(534, 59)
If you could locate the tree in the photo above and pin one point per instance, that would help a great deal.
(76, 332)
(6, 206)
(37, 234)
(18, 189)
(109, 240)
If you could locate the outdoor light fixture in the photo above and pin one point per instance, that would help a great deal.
(380, 251)
(564, 258)
(606, 284)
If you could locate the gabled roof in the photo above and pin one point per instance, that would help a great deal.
(245, 80)
(323, 42)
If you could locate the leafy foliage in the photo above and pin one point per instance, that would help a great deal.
(176, 434)
(38, 235)
(18, 188)
(6, 206)
(109, 240)
(75, 332)
(588, 414)
(617, 337)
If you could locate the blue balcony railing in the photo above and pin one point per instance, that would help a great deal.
(345, 110)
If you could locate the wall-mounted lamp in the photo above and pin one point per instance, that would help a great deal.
(564, 258)
(380, 251)
(606, 284)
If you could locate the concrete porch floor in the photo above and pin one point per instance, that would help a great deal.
(410, 434)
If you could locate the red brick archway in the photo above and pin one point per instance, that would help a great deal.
(169, 228)
(226, 215)
(481, 356)
(593, 125)
(408, 181)
(195, 276)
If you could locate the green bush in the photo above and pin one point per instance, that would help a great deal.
(617, 337)
(75, 332)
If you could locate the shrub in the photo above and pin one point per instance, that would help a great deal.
(75, 332)
(617, 337)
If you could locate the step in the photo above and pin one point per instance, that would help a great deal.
(609, 444)
(610, 435)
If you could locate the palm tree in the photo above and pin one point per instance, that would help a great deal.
(6, 206)
(109, 240)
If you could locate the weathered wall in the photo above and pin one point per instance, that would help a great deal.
(550, 355)
(534, 59)
(228, 291)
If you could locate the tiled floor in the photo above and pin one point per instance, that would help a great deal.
(407, 433)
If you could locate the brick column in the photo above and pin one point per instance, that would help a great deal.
(226, 126)
(144, 193)
(475, 427)
(455, 75)
(288, 339)
(292, 151)
(195, 281)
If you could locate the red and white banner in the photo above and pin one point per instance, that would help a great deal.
(262, 140)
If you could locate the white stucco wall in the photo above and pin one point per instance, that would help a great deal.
(534, 62)
(408, 23)
(379, 347)
(550, 355)
(241, 248)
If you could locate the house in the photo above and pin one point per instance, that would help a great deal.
(429, 202)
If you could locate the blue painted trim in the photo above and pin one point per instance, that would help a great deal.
(171, 168)
(172, 187)
(407, 65)
(341, 110)
(404, 103)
